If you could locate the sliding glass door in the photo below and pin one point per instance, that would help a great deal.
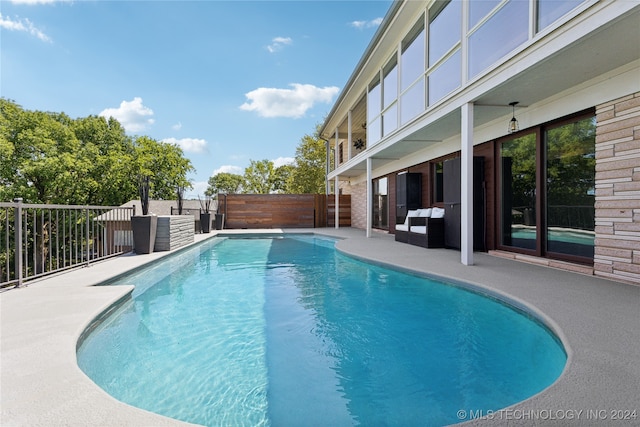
(570, 188)
(547, 190)
(518, 192)
(381, 203)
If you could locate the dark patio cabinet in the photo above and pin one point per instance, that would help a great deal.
(452, 198)
(408, 194)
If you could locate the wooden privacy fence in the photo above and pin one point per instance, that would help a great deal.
(284, 210)
(344, 211)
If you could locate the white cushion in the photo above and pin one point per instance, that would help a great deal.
(421, 229)
(425, 213)
(412, 213)
(402, 227)
(437, 213)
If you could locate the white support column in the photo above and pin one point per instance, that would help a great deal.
(336, 157)
(327, 189)
(349, 136)
(336, 214)
(466, 184)
(369, 198)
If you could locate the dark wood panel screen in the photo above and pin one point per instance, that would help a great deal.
(284, 210)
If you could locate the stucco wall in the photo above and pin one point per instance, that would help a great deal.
(617, 251)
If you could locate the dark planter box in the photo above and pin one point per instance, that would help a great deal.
(205, 222)
(144, 233)
(219, 221)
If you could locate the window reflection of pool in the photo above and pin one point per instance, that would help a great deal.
(564, 240)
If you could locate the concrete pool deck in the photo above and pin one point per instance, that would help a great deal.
(598, 320)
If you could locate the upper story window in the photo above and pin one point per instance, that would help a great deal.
(550, 10)
(445, 65)
(479, 9)
(429, 66)
(445, 20)
(374, 99)
(445, 78)
(504, 29)
(390, 96)
(374, 108)
(390, 83)
(412, 55)
(412, 58)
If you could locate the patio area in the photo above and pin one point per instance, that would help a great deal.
(598, 321)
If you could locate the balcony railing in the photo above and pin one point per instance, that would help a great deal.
(41, 239)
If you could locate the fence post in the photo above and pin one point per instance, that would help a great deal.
(17, 220)
(86, 237)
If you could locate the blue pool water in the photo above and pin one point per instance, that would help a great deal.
(288, 332)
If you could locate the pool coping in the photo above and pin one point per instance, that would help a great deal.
(597, 319)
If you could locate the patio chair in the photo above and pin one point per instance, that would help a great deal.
(402, 230)
(427, 229)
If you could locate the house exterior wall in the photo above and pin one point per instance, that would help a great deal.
(557, 73)
(617, 248)
(359, 205)
(119, 236)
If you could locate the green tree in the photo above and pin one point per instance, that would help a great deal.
(225, 182)
(281, 177)
(10, 118)
(571, 163)
(111, 153)
(164, 165)
(50, 158)
(570, 175)
(45, 162)
(260, 177)
(308, 173)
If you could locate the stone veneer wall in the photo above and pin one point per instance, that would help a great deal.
(359, 205)
(174, 231)
(617, 246)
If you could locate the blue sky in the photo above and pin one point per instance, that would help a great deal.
(229, 81)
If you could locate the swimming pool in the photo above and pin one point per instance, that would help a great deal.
(286, 331)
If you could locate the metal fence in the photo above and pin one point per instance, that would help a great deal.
(41, 239)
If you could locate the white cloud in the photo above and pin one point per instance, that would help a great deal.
(132, 115)
(360, 25)
(177, 126)
(281, 161)
(199, 187)
(23, 25)
(278, 43)
(228, 169)
(273, 102)
(191, 145)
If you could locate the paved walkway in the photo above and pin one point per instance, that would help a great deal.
(598, 320)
